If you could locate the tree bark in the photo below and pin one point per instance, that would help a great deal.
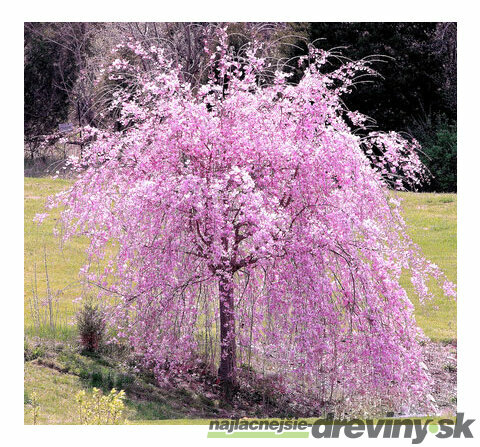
(226, 371)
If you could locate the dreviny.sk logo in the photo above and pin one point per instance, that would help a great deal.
(416, 429)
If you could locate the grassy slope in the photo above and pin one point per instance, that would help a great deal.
(63, 263)
(432, 222)
(58, 373)
(56, 394)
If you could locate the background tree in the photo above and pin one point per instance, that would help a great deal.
(48, 68)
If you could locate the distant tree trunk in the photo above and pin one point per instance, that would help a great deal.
(226, 371)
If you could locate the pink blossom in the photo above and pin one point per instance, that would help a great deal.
(40, 217)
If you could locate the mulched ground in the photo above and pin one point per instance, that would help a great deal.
(441, 361)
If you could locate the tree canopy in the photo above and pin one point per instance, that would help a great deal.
(249, 222)
(415, 94)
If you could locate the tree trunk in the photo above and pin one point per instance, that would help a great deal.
(226, 371)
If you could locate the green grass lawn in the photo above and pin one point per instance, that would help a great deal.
(432, 222)
(55, 392)
(63, 263)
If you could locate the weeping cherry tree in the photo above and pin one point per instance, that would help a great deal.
(251, 221)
